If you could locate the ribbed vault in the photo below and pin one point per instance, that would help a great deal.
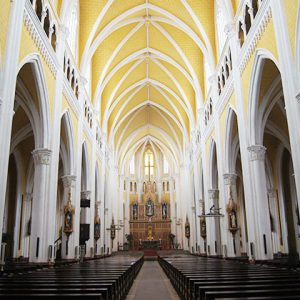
(147, 67)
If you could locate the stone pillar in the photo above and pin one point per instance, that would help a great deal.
(8, 78)
(263, 240)
(275, 220)
(85, 219)
(214, 234)
(25, 224)
(38, 251)
(172, 207)
(97, 222)
(233, 240)
(203, 239)
(68, 248)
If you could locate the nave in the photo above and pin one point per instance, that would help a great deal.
(193, 277)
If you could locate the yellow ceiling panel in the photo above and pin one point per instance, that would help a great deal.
(118, 8)
(205, 11)
(111, 84)
(136, 42)
(138, 98)
(89, 11)
(188, 88)
(164, 46)
(158, 74)
(138, 74)
(176, 8)
(104, 52)
(191, 51)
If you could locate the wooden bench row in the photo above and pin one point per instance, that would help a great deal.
(208, 278)
(108, 278)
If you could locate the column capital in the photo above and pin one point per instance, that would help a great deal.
(41, 156)
(230, 178)
(213, 194)
(85, 195)
(68, 180)
(257, 152)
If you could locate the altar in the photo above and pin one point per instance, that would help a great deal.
(150, 245)
(150, 222)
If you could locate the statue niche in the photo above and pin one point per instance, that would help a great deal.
(149, 208)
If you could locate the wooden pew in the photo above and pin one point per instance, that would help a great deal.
(207, 278)
(108, 279)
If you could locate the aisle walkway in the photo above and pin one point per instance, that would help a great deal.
(152, 283)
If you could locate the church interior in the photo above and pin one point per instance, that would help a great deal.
(150, 139)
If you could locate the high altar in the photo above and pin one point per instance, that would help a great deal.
(150, 222)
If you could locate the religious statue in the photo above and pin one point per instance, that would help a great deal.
(203, 227)
(233, 223)
(135, 211)
(232, 214)
(68, 211)
(187, 229)
(149, 208)
(164, 210)
(97, 228)
(112, 229)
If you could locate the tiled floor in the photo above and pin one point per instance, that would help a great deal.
(152, 284)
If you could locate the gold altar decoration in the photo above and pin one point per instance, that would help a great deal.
(150, 234)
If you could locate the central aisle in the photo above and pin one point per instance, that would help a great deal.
(152, 283)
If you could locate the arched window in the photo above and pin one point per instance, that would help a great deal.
(149, 164)
(220, 24)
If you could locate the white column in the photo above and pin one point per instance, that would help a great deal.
(290, 83)
(38, 251)
(97, 243)
(197, 187)
(213, 226)
(69, 186)
(274, 214)
(55, 144)
(263, 240)
(243, 131)
(230, 185)
(7, 91)
(25, 224)
(186, 204)
(172, 207)
(78, 169)
(180, 218)
(127, 208)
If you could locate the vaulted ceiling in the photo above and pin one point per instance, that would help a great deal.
(147, 67)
